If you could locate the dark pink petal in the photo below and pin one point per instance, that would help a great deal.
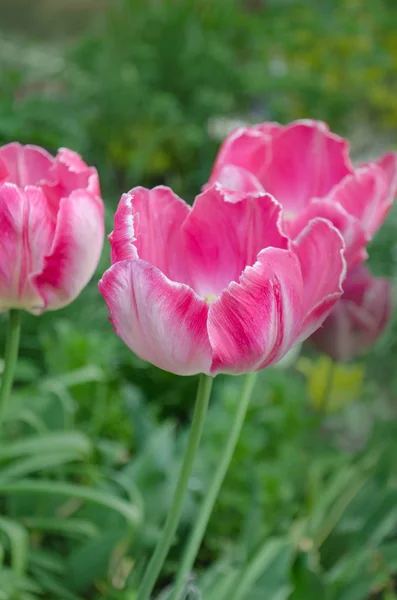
(354, 236)
(26, 236)
(26, 165)
(388, 164)
(163, 322)
(363, 195)
(256, 321)
(307, 161)
(320, 251)
(3, 171)
(149, 222)
(224, 234)
(246, 147)
(75, 250)
(358, 319)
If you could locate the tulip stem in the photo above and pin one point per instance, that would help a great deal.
(156, 562)
(207, 506)
(10, 358)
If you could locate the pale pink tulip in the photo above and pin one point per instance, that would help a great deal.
(217, 287)
(359, 317)
(308, 170)
(52, 227)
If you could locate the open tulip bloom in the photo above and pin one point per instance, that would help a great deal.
(308, 170)
(52, 227)
(218, 287)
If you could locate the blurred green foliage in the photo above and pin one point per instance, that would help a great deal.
(94, 436)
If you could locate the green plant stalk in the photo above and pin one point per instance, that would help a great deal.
(198, 532)
(10, 358)
(156, 562)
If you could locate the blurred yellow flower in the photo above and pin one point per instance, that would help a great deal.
(331, 385)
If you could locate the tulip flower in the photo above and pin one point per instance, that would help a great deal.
(52, 227)
(359, 317)
(219, 287)
(308, 170)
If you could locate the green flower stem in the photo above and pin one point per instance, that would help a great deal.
(197, 534)
(156, 562)
(10, 359)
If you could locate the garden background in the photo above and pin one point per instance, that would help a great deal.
(145, 90)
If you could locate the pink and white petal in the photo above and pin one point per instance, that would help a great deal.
(320, 250)
(26, 165)
(151, 221)
(255, 322)
(363, 195)
(246, 147)
(307, 161)
(73, 173)
(26, 236)
(237, 179)
(122, 239)
(224, 234)
(75, 251)
(354, 236)
(163, 322)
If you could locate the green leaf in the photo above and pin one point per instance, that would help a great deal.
(26, 466)
(74, 528)
(59, 441)
(269, 568)
(85, 374)
(18, 543)
(29, 486)
(52, 585)
(90, 561)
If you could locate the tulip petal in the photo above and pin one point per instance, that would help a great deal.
(148, 223)
(26, 165)
(363, 194)
(307, 161)
(26, 236)
(320, 250)
(73, 173)
(163, 322)
(388, 164)
(353, 234)
(75, 251)
(256, 321)
(3, 171)
(246, 147)
(237, 179)
(224, 233)
(359, 317)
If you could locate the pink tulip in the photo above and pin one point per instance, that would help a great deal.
(217, 287)
(52, 227)
(358, 319)
(308, 170)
